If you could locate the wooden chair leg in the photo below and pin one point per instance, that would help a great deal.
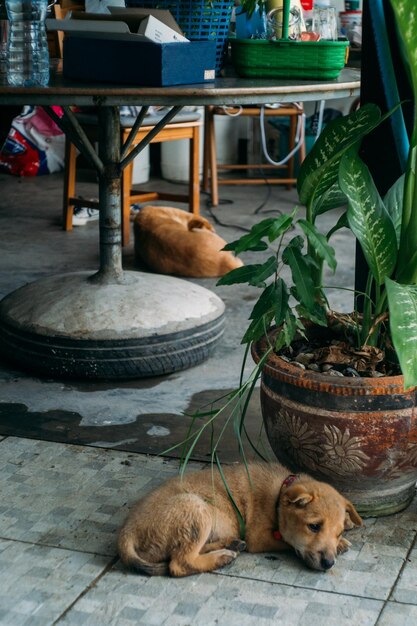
(194, 174)
(213, 161)
(291, 144)
(69, 184)
(206, 151)
(125, 191)
(302, 150)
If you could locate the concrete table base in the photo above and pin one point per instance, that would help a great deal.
(72, 326)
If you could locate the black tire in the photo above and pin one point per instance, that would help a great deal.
(61, 357)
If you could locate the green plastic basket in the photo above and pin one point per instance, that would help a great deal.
(308, 60)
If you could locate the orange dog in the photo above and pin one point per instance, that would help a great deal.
(172, 241)
(190, 525)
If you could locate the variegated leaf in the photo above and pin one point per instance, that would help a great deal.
(402, 301)
(319, 170)
(393, 202)
(368, 218)
(406, 18)
(332, 199)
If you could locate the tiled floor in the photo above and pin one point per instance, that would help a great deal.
(60, 510)
(62, 504)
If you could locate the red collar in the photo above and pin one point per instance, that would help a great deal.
(287, 482)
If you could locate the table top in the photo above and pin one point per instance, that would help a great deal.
(227, 91)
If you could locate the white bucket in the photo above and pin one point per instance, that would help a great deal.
(141, 168)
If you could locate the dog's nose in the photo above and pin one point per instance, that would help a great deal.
(326, 563)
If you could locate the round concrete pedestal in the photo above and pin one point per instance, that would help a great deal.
(71, 326)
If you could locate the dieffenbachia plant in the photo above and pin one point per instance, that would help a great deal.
(386, 229)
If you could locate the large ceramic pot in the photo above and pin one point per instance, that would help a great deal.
(359, 434)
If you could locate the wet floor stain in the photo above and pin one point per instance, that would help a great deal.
(156, 434)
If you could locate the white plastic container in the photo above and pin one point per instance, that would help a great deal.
(175, 154)
(141, 168)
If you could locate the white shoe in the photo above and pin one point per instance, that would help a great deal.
(83, 216)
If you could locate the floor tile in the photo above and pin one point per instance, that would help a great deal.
(71, 496)
(406, 587)
(39, 583)
(396, 614)
(125, 599)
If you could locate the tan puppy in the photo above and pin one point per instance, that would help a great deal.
(172, 241)
(189, 525)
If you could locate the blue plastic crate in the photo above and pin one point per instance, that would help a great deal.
(198, 20)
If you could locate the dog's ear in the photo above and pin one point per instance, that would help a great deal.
(298, 496)
(352, 518)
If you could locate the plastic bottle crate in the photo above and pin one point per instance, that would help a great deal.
(198, 20)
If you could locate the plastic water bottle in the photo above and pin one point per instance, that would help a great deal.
(27, 47)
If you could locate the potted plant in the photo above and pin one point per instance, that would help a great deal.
(338, 391)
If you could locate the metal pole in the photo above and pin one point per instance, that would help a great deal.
(110, 271)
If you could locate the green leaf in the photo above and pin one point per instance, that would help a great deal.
(406, 21)
(264, 303)
(287, 332)
(393, 202)
(317, 315)
(280, 226)
(319, 170)
(342, 222)
(273, 298)
(319, 243)
(368, 218)
(271, 228)
(402, 302)
(281, 305)
(333, 198)
(252, 274)
(257, 327)
(301, 273)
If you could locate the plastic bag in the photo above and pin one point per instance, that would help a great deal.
(34, 145)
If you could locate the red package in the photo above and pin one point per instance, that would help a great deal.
(34, 145)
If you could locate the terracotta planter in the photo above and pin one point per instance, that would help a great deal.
(359, 434)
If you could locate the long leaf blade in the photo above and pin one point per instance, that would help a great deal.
(368, 218)
(252, 274)
(402, 300)
(319, 171)
(393, 202)
(301, 274)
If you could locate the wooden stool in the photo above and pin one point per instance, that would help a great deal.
(211, 180)
(187, 127)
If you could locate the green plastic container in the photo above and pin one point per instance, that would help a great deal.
(306, 60)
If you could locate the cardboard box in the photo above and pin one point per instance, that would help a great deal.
(98, 58)
(109, 48)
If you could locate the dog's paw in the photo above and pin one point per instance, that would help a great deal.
(237, 545)
(224, 557)
(343, 546)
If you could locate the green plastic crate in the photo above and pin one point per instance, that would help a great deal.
(307, 60)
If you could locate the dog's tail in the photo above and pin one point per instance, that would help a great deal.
(131, 558)
(199, 223)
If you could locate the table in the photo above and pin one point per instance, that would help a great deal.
(113, 323)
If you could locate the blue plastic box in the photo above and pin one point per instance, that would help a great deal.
(139, 63)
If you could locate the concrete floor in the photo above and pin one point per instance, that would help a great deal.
(75, 455)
